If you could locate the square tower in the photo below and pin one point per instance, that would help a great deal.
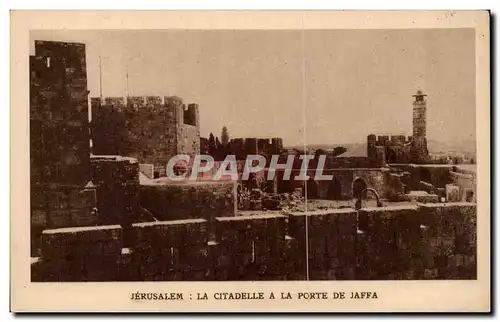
(59, 129)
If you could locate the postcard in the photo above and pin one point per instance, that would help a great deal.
(285, 161)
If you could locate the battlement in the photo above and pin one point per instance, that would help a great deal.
(54, 45)
(427, 241)
(388, 140)
(188, 114)
(65, 52)
(254, 145)
(149, 128)
(191, 115)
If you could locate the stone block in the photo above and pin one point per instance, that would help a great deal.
(147, 170)
(347, 223)
(38, 218)
(452, 193)
(82, 198)
(171, 233)
(195, 258)
(58, 218)
(83, 218)
(78, 241)
(258, 227)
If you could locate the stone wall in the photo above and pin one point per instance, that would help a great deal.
(388, 140)
(343, 180)
(394, 186)
(374, 178)
(428, 241)
(353, 162)
(340, 185)
(59, 131)
(188, 140)
(117, 186)
(437, 175)
(241, 147)
(80, 254)
(188, 200)
(57, 206)
(395, 148)
(466, 181)
(151, 129)
(431, 241)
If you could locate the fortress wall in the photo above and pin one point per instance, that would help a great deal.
(428, 241)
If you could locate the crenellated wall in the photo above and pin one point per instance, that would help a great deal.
(151, 129)
(241, 147)
(428, 241)
(393, 149)
(388, 140)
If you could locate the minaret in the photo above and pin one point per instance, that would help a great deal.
(419, 151)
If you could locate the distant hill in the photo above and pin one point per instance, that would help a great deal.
(435, 147)
(464, 147)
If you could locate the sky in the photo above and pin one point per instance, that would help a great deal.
(308, 87)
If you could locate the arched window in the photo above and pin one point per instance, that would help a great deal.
(358, 186)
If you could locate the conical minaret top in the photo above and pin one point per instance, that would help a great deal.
(420, 96)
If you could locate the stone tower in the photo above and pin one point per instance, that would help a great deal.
(151, 129)
(371, 146)
(419, 152)
(59, 130)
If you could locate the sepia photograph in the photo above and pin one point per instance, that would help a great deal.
(257, 155)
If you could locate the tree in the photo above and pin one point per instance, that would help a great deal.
(339, 150)
(211, 143)
(318, 153)
(204, 149)
(217, 152)
(224, 136)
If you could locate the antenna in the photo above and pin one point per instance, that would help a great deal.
(100, 77)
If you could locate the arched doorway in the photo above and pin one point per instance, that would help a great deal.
(358, 186)
(334, 189)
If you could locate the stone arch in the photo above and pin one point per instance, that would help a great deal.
(334, 189)
(358, 186)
